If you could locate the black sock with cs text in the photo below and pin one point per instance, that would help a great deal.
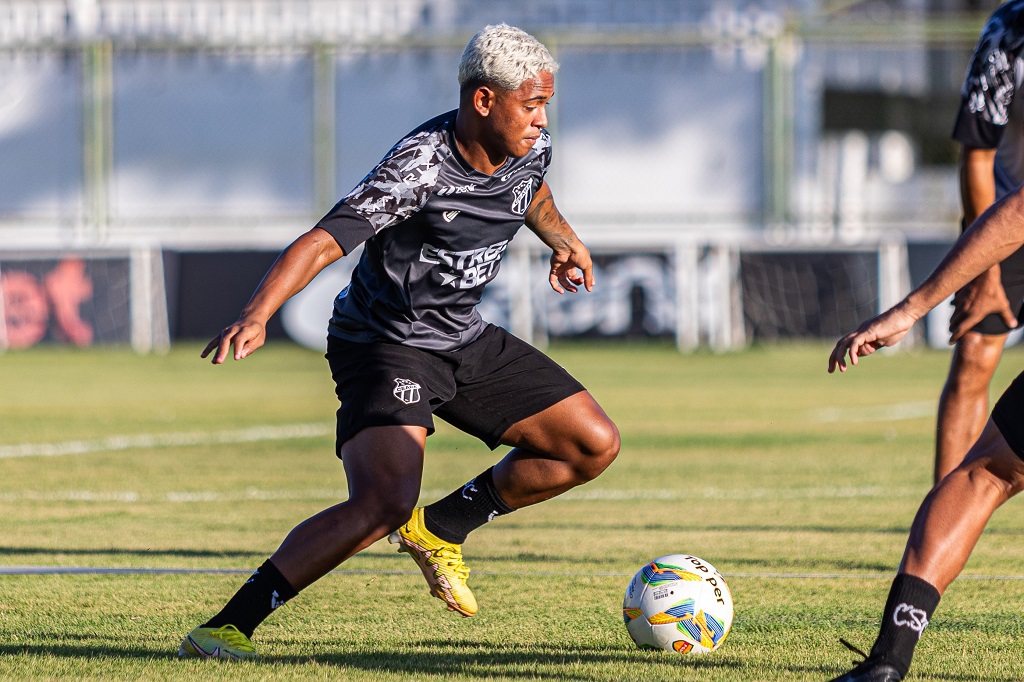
(908, 610)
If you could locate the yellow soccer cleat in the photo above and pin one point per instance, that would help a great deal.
(440, 561)
(225, 642)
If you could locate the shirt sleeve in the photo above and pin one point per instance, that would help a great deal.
(543, 149)
(396, 189)
(347, 227)
(988, 90)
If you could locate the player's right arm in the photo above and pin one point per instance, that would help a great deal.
(294, 269)
(994, 236)
(393, 191)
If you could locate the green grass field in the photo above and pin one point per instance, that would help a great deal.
(799, 486)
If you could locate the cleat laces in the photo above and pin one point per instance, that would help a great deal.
(853, 648)
(234, 637)
(858, 665)
(451, 556)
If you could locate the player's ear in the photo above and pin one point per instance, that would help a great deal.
(483, 100)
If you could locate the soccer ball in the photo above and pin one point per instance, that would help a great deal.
(678, 603)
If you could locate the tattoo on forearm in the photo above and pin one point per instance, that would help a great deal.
(547, 222)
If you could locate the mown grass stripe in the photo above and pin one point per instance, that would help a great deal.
(596, 495)
(166, 440)
(127, 570)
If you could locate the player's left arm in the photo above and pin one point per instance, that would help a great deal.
(571, 265)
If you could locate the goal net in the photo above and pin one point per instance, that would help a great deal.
(811, 292)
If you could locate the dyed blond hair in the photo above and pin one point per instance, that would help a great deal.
(504, 56)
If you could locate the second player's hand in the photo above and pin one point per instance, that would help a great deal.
(885, 330)
(245, 336)
(982, 297)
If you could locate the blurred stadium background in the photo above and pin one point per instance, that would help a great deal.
(743, 171)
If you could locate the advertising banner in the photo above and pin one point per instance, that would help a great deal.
(72, 299)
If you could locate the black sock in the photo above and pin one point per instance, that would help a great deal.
(910, 606)
(452, 518)
(263, 592)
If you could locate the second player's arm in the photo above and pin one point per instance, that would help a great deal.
(983, 295)
(291, 272)
(977, 181)
(568, 254)
(994, 236)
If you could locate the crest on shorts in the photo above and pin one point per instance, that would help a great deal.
(407, 391)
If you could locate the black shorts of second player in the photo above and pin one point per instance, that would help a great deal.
(1011, 273)
(483, 388)
(1008, 415)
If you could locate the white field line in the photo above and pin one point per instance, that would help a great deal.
(334, 494)
(876, 413)
(116, 570)
(166, 440)
(897, 412)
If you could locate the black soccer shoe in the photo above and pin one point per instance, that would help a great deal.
(868, 670)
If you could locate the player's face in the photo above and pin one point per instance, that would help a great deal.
(518, 116)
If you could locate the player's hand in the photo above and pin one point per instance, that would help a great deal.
(245, 335)
(570, 269)
(885, 330)
(982, 297)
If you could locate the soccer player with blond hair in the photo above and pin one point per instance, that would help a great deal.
(406, 341)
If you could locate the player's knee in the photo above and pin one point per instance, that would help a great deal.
(997, 476)
(598, 447)
(976, 360)
(385, 513)
(397, 512)
(996, 484)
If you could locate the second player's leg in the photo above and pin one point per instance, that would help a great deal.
(963, 404)
(945, 531)
(383, 466)
(559, 448)
(955, 512)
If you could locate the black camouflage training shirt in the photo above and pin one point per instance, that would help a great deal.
(435, 231)
(991, 112)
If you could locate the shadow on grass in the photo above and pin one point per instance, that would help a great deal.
(828, 672)
(438, 659)
(442, 658)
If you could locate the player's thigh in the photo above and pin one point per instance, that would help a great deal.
(383, 384)
(502, 381)
(575, 427)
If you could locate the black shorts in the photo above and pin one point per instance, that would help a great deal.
(482, 388)
(1011, 273)
(1008, 415)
